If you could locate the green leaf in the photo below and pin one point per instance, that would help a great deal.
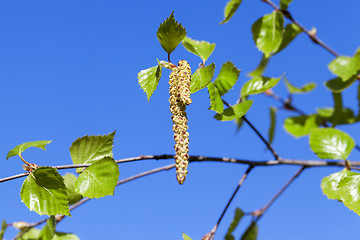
(216, 102)
(344, 67)
(89, 149)
(69, 180)
(299, 126)
(284, 4)
(227, 77)
(290, 32)
(98, 180)
(292, 89)
(201, 78)
(260, 68)
(149, 79)
(238, 215)
(349, 191)
(48, 231)
(44, 192)
(170, 34)
(65, 236)
(251, 232)
(258, 85)
(329, 143)
(268, 31)
(272, 124)
(337, 108)
(329, 184)
(230, 9)
(235, 111)
(239, 122)
(345, 117)
(199, 48)
(338, 85)
(22, 147)
(186, 237)
(32, 234)
(3, 228)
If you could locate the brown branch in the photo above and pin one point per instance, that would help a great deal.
(284, 161)
(211, 234)
(311, 35)
(260, 213)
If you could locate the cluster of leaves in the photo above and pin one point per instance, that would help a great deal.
(46, 192)
(170, 34)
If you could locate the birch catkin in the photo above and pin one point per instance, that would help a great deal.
(179, 90)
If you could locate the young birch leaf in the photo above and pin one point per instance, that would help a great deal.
(216, 102)
(186, 237)
(170, 34)
(346, 115)
(69, 180)
(329, 184)
(330, 143)
(284, 4)
(230, 9)
(338, 85)
(22, 147)
(227, 77)
(48, 231)
(234, 112)
(199, 48)
(272, 124)
(344, 67)
(44, 192)
(201, 78)
(338, 106)
(349, 191)
(258, 85)
(300, 126)
(65, 236)
(98, 180)
(251, 232)
(238, 215)
(149, 79)
(32, 234)
(89, 149)
(290, 32)
(267, 32)
(260, 68)
(292, 89)
(3, 228)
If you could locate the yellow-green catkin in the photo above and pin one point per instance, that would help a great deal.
(179, 90)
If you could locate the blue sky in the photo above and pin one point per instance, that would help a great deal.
(69, 68)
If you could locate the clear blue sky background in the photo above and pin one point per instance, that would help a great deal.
(69, 68)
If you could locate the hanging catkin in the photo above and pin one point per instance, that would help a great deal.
(179, 90)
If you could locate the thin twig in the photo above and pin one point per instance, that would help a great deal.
(212, 232)
(277, 195)
(276, 156)
(311, 35)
